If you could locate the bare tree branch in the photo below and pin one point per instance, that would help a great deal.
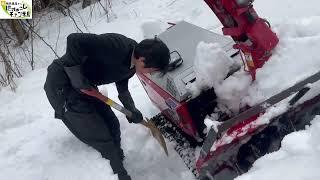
(58, 36)
(5, 31)
(32, 60)
(84, 24)
(16, 68)
(105, 9)
(8, 76)
(17, 30)
(43, 40)
(70, 15)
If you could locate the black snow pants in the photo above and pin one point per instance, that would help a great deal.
(89, 119)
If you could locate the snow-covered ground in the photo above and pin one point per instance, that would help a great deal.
(298, 158)
(35, 146)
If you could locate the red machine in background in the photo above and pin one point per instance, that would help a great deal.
(251, 33)
(182, 116)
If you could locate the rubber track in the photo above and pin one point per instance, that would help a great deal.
(178, 141)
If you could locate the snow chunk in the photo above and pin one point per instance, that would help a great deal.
(233, 89)
(272, 112)
(152, 28)
(211, 66)
(211, 122)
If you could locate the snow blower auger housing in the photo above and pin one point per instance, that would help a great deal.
(240, 139)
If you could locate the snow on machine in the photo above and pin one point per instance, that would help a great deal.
(231, 139)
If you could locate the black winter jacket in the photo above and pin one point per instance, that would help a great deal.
(93, 60)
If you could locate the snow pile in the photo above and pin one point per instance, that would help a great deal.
(212, 122)
(232, 90)
(271, 112)
(289, 65)
(295, 58)
(211, 66)
(297, 159)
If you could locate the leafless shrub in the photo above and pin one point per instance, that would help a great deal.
(19, 35)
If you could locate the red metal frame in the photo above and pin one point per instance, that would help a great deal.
(220, 145)
(175, 111)
(242, 23)
(238, 129)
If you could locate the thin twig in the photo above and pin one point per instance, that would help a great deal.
(44, 41)
(135, 13)
(18, 73)
(105, 9)
(58, 36)
(69, 13)
(98, 6)
(25, 54)
(91, 11)
(84, 24)
(171, 3)
(8, 71)
(32, 60)
(5, 31)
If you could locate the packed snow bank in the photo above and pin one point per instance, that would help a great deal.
(297, 159)
(295, 58)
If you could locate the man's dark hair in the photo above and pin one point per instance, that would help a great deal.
(155, 52)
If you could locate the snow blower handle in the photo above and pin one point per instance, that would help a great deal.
(148, 124)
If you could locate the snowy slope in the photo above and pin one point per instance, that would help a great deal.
(35, 146)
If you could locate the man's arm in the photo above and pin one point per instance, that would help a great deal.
(127, 101)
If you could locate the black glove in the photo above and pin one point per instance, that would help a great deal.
(128, 103)
(136, 116)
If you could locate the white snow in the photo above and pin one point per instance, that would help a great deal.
(212, 123)
(211, 66)
(295, 58)
(35, 146)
